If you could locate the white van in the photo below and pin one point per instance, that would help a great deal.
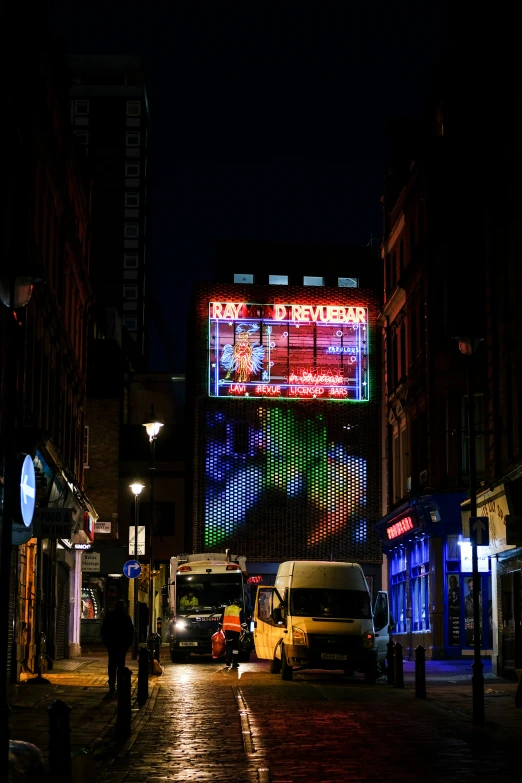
(318, 615)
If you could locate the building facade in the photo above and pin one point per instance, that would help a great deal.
(286, 393)
(427, 395)
(43, 350)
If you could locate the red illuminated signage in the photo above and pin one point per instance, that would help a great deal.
(400, 527)
(295, 351)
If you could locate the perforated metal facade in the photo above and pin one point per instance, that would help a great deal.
(286, 478)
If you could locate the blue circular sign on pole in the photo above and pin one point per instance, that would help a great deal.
(132, 569)
(27, 490)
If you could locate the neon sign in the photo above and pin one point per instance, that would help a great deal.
(288, 351)
(400, 527)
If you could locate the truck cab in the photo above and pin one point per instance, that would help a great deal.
(318, 616)
(201, 585)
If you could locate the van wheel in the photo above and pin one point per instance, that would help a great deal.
(275, 665)
(286, 670)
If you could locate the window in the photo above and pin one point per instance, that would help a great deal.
(81, 108)
(86, 447)
(130, 291)
(348, 282)
(132, 169)
(131, 324)
(132, 199)
(313, 280)
(243, 278)
(420, 585)
(278, 279)
(132, 138)
(81, 137)
(130, 260)
(398, 590)
(131, 230)
(480, 456)
(133, 108)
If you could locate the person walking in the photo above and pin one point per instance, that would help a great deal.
(117, 634)
(232, 623)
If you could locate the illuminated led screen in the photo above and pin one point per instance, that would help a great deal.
(285, 479)
(290, 351)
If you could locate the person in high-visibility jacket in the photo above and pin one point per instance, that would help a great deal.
(232, 622)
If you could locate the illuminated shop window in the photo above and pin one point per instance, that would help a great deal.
(243, 278)
(313, 280)
(398, 573)
(420, 585)
(278, 279)
(348, 282)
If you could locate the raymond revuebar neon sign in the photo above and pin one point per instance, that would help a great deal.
(291, 351)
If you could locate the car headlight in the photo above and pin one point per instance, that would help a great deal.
(299, 636)
(368, 640)
(181, 625)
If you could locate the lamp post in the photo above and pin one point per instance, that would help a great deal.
(152, 425)
(136, 489)
(468, 346)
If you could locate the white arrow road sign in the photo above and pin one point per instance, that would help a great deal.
(479, 531)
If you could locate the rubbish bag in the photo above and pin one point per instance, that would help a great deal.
(219, 644)
(157, 668)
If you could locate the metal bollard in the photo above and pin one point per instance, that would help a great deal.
(143, 675)
(123, 716)
(420, 672)
(60, 767)
(390, 663)
(398, 671)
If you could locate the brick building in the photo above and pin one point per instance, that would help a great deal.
(43, 351)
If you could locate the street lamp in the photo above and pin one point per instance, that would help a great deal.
(153, 426)
(136, 489)
(468, 347)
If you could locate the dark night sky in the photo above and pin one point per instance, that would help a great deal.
(268, 119)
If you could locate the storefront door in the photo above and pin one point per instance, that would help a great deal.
(511, 585)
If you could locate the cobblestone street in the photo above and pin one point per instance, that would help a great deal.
(202, 722)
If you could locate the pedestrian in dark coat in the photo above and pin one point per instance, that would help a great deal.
(117, 634)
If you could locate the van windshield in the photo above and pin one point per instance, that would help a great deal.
(206, 592)
(313, 602)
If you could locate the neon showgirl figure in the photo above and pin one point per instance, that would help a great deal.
(244, 358)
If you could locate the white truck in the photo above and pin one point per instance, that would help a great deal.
(318, 615)
(200, 586)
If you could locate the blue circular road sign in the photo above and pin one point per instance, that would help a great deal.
(132, 569)
(27, 490)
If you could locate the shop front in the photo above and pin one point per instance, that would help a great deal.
(500, 504)
(428, 594)
(103, 583)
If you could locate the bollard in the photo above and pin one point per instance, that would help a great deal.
(60, 767)
(390, 663)
(123, 716)
(143, 675)
(157, 647)
(398, 671)
(420, 672)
